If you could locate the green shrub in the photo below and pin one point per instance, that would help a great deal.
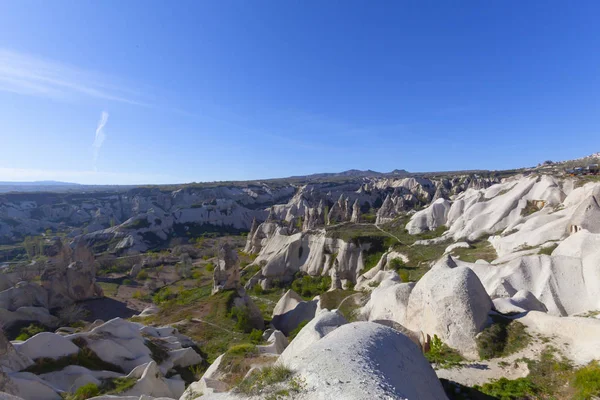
(84, 392)
(142, 275)
(242, 349)
(587, 381)
(297, 330)
(256, 336)
(85, 357)
(505, 389)
(127, 282)
(502, 338)
(442, 355)
(30, 330)
(242, 318)
(309, 286)
(210, 267)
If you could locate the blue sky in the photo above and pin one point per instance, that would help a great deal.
(228, 90)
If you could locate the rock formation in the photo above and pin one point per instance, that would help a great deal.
(449, 301)
(291, 310)
(227, 271)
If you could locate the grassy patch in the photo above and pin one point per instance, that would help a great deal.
(110, 289)
(257, 382)
(502, 338)
(118, 385)
(548, 250)
(479, 250)
(587, 381)
(442, 355)
(552, 374)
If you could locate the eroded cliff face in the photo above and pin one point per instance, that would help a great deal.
(141, 219)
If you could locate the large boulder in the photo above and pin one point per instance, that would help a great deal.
(324, 323)
(10, 360)
(291, 310)
(21, 315)
(449, 301)
(46, 345)
(151, 382)
(23, 294)
(364, 360)
(388, 301)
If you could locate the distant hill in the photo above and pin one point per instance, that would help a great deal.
(37, 186)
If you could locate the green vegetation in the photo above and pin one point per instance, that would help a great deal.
(142, 275)
(264, 378)
(478, 250)
(505, 389)
(309, 286)
(84, 392)
(210, 267)
(242, 318)
(587, 381)
(297, 330)
(529, 208)
(248, 273)
(110, 289)
(502, 338)
(31, 330)
(442, 355)
(548, 250)
(256, 336)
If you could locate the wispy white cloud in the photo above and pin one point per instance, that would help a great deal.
(33, 76)
(100, 137)
(84, 177)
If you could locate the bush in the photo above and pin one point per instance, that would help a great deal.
(256, 336)
(30, 330)
(505, 389)
(502, 338)
(127, 282)
(84, 392)
(142, 276)
(210, 267)
(441, 354)
(243, 322)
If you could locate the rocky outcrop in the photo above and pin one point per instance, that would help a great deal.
(355, 212)
(449, 301)
(226, 275)
(291, 311)
(74, 283)
(323, 323)
(365, 360)
(520, 302)
(430, 218)
(388, 301)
